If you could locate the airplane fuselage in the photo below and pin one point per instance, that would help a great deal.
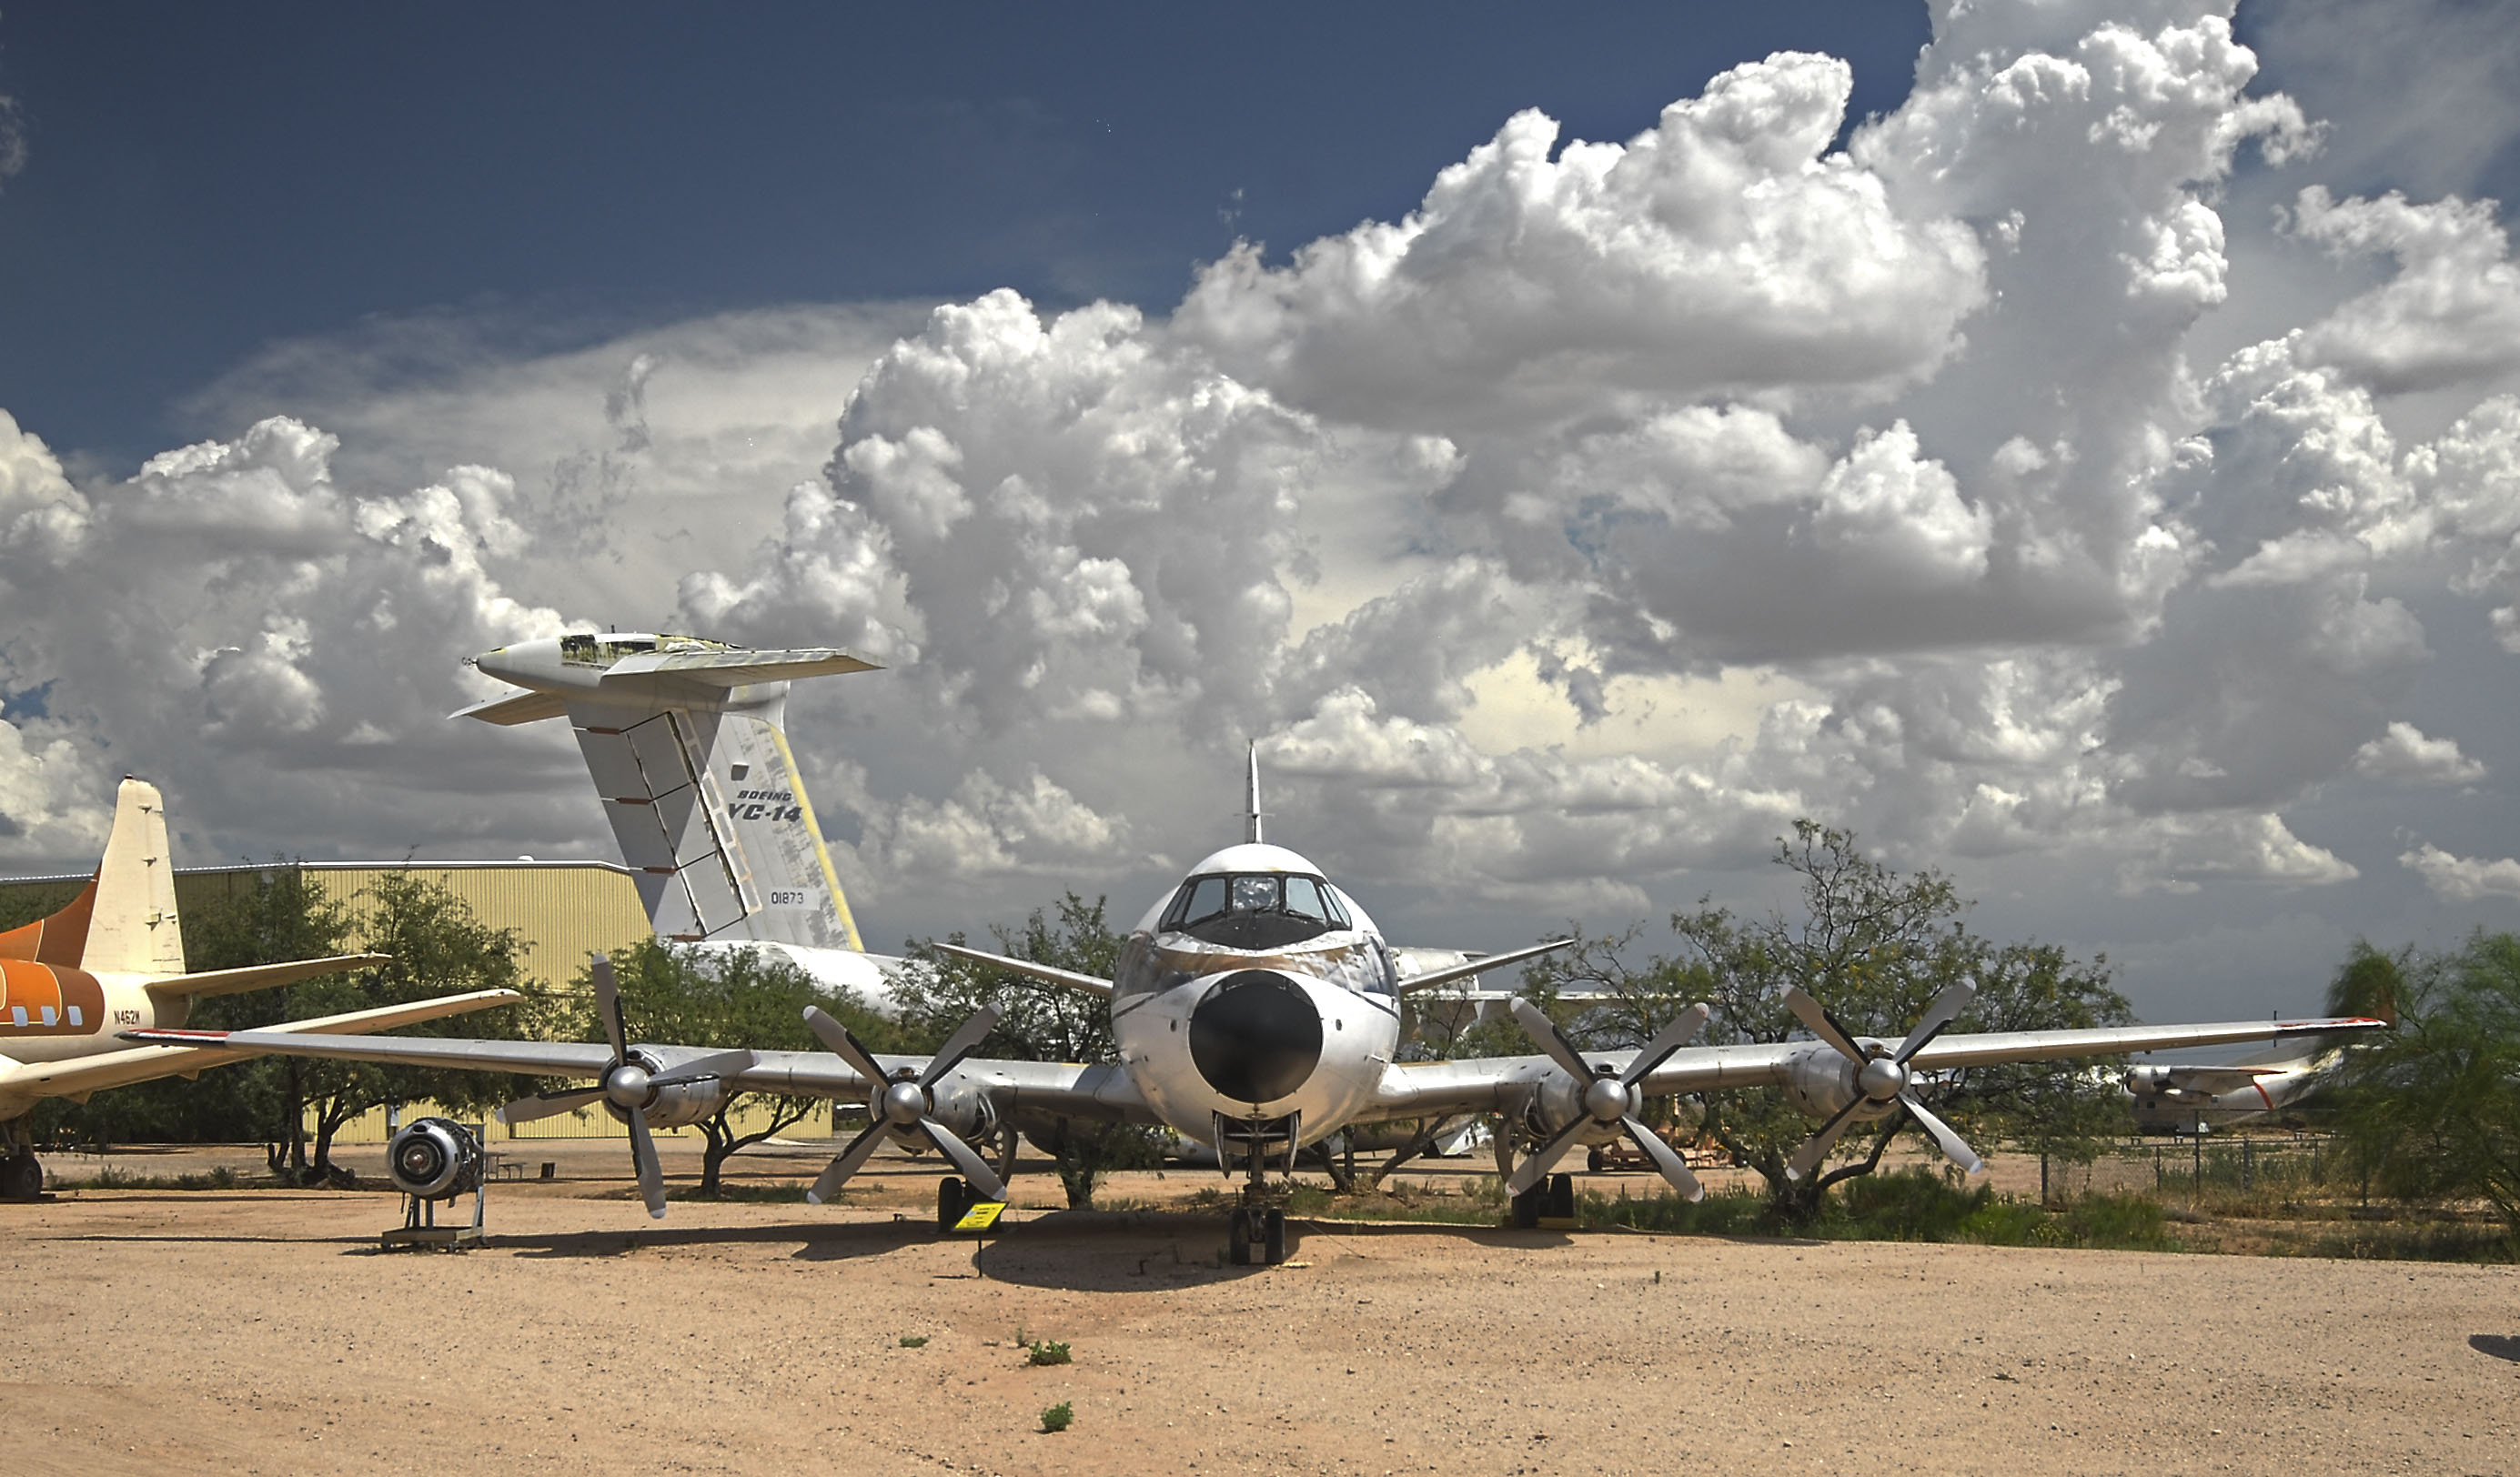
(1256, 992)
(56, 1013)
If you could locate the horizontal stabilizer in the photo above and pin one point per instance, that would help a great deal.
(735, 669)
(1057, 976)
(262, 976)
(1480, 965)
(518, 707)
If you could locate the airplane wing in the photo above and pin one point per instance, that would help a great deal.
(1101, 1092)
(515, 708)
(1480, 965)
(2213, 1081)
(1498, 1083)
(1090, 984)
(82, 1074)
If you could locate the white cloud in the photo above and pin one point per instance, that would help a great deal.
(2404, 754)
(2462, 879)
(1723, 250)
(1897, 455)
(2450, 313)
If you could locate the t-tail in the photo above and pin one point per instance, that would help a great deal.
(684, 741)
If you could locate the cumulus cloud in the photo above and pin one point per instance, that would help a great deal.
(2462, 879)
(1913, 439)
(2404, 754)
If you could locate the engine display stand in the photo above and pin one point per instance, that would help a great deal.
(420, 1228)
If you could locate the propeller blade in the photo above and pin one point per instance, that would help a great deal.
(651, 1174)
(546, 1104)
(608, 1008)
(1532, 1170)
(1674, 1168)
(836, 1172)
(715, 1064)
(1544, 1034)
(1672, 1038)
(963, 1043)
(847, 1047)
(1813, 1014)
(1954, 1146)
(1945, 1009)
(1808, 1157)
(974, 1167)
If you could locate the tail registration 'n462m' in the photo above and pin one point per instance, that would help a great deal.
(1257, 1008)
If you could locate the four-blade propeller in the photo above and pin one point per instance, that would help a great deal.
(1609, 1101)
(904, 1103)
(1882, 1080)
(627, 1085)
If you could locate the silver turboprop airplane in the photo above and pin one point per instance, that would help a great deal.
(1257, 1008)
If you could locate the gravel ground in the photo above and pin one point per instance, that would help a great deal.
(265, 1333)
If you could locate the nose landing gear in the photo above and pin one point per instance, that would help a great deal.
(1257, 1229)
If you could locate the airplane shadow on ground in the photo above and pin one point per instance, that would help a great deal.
(1154, 1251)
(2500, 1345)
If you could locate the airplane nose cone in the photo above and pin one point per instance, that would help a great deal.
(1256, 1036)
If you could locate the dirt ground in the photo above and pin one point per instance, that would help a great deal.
(265, 1333)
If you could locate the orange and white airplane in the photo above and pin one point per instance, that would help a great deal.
(114, 960)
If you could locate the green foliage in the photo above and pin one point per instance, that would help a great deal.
(1915, 1205)
(914, 1341)
(437, 948)
(25, 902)
(1056, 1418)
(1047, 1352)
(748, 999)
(2431, 1112)
(1041, 1023)
(1875, 947)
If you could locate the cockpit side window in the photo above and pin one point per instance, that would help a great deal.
(1304, 899)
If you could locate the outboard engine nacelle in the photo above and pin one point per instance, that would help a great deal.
(435, 1159)
(677, 1104)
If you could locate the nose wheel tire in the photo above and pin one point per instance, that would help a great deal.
(22, 1178)
(1256, 1235)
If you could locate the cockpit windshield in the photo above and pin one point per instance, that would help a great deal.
(1255, 909)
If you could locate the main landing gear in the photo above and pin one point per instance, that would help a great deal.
(1552, 1199)
(21, 1177)
(955, 1198)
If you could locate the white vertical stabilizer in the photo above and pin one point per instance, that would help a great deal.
(132, 927)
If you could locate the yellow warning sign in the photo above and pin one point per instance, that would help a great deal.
(982, 1216)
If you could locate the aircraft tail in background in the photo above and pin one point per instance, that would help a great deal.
(124, 921)
(683, 739)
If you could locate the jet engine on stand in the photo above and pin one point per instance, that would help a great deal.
(433, 1159)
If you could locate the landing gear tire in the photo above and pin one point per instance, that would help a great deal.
(1530, 1206)
(1255, 1237)
(1561, 1196)
(954, 1200)
(1553, 1198)
(22, 1178)
(1596, 1161)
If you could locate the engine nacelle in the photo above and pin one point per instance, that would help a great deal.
(1821, 1083)
(1560, 1101)
(677, 1104)
(2157, 1081)
(435, 1159)
(955, 1105)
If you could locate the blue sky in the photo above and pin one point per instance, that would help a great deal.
(201, 181)
(2076, 445)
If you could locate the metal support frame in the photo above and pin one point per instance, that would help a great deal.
(420, 1228)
